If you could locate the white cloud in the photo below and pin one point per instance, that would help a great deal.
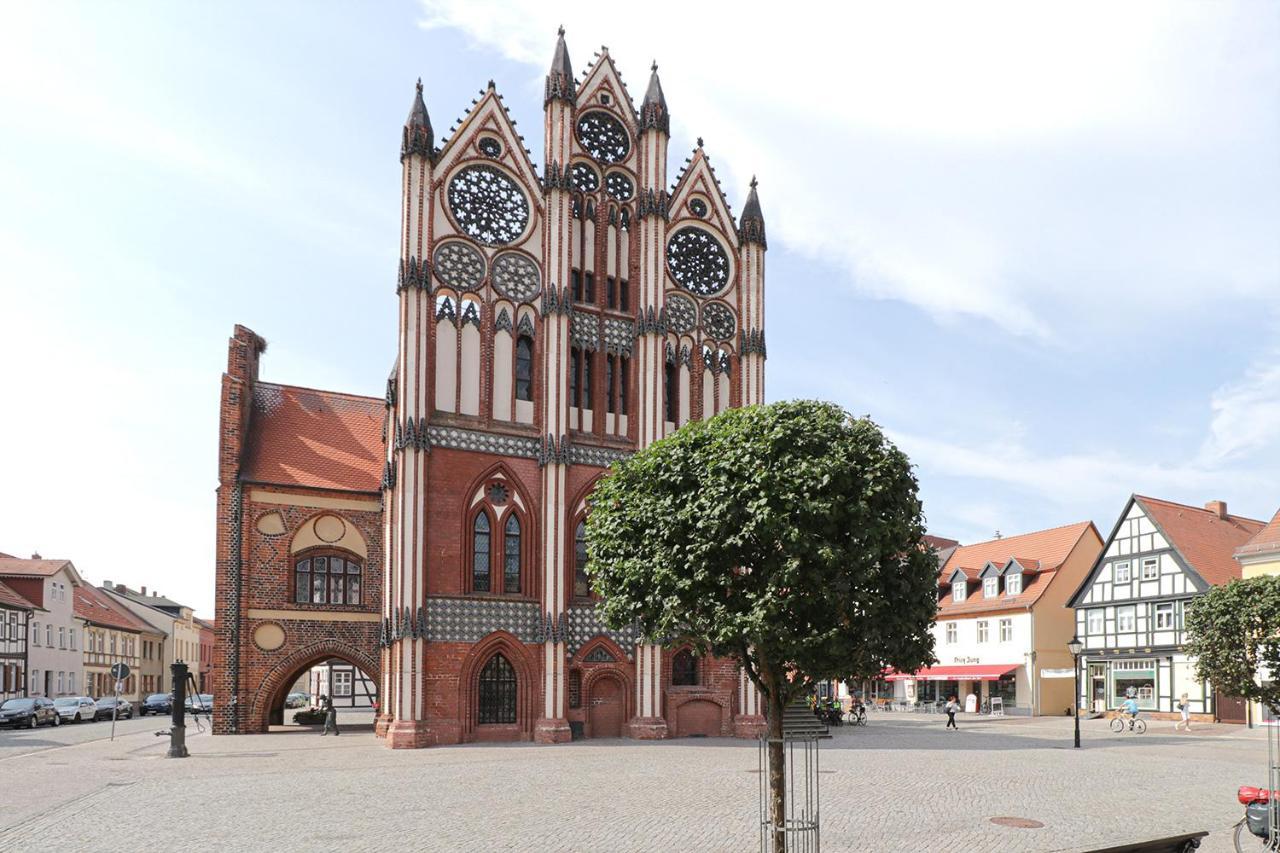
(1246, 415)
(1050, 168)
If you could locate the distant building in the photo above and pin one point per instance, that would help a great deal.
(174, 620)
(53, 647)
(345, 684)
(15, 627)
(1002, 626)
(1130, 611)
(205, 678)
(112, 634)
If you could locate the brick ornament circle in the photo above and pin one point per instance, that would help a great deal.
(459, 266)
(516, 277)
(488, 205)
(718, 321)
(330, 528)
(682, 316)
(697, 261)
(268, 636)
(1017, 822)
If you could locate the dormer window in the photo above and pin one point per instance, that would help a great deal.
(958, 591)
(990, 587)
(1013, 584)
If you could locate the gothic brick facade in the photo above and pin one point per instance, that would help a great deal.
(548, 326)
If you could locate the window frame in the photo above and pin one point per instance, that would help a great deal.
(1163, 608)
(951, 632)
(580, 567)
(959, 590)
(1006, 630)
(1154, 562)
(689, 674)
(984, 631)
(1132, 612)
(481, 514)
(1101, 627)
(503, 686)
(1127, 565)
(990, 587)
(1013, 583)
(524, 355)
(348, 558)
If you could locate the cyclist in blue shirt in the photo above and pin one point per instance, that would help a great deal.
(1130, 708)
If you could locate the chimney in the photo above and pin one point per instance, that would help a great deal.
(144, 590)
(35, 555)
(121, 588)
(1218, 508)
(107, 585)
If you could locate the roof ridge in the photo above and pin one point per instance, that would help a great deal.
(379, 400)
(1200, 509)
(1022, 535)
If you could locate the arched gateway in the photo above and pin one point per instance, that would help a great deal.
(552, 320)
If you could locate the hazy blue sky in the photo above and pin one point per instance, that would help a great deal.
(1036, 242)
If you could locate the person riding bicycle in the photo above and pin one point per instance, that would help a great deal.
(1129, 708)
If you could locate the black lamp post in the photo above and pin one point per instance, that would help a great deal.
(1075, 647)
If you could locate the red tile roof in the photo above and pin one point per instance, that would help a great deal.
(9, 597)
(95, 606)
(1264, 541)
(18, 567)
(318, 439)
(1204, 540)
(939, 542)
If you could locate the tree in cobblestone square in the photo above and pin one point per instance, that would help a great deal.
(786, 536)
(1234, 634)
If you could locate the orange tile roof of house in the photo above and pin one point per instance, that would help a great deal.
(1264, 541)
(1207, 542)
(318, 439)
(941, 543)
(92, 605)
(11, 598)
(1033, 586)
(18, 567)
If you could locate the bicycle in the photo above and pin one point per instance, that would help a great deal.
(858, 716)
(1137, 725)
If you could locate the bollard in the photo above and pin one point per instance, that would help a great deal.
(178, 730)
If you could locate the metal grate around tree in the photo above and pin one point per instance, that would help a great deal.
(800, 781)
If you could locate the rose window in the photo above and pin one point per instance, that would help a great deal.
(603, 137)
(681, 313)
(718, 322)
(516, 277)
(619, 186)
(488, 205)
(585, 178)
(459, 266)
(490, 147)
(697, 261)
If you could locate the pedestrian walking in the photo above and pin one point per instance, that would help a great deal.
(952, 707)
(1184, 709)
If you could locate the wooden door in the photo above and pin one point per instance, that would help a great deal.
(606, 710)
(698, 718)
(1231, 709)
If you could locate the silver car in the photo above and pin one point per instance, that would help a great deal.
(76, 709)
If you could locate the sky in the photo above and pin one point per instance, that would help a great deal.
(1037, 243)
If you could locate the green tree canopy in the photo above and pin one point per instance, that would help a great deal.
(1234, 634)
(787, 536)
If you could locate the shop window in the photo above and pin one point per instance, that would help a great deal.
(1136, 678)
(684, 668)
(325, 579)
(497, 692)
(1005, 687)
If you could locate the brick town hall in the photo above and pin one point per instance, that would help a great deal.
(433, 537)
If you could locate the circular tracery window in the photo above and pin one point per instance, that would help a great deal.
(488, 205)
(585, 178)
(516, 277)
(619, 186)
(698, 207)
(603, 137)
(697, 261)
(458, 265)
(718, 321)
(490, 147)
(681, 313)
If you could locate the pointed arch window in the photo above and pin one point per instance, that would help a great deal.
(581, 586)
(684, 669)
(672, 389)
(497, 692)
(511, 555)
(480, 559)
(524, 368)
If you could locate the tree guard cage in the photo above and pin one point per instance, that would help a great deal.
(800, 779)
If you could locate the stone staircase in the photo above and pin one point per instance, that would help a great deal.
(799, 721)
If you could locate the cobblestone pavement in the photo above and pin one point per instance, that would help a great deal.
(901, 784)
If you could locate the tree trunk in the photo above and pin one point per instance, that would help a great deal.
(777, 771)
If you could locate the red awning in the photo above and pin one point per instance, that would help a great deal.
(978, 672)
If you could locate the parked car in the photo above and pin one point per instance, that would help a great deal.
(156, 703)
(297, 700)
(107, 705)
(201, 703)
(29, 712)
(76, 709)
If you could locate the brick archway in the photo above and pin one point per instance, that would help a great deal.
(527, 692)
(281, 677)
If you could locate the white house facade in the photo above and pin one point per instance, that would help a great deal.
(1130, 612)
(54, 662)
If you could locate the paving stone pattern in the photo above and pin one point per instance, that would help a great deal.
(901, 784)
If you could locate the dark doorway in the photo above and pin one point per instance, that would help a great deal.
(497, 692)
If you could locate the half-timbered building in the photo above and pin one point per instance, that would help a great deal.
(551, 320)
(1130, 611)
(15, 621)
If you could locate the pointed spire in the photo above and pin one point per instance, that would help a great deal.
(418, 137)
(653, 110)
(751, 223)
(560, 83)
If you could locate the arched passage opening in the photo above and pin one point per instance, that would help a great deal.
(329, 669)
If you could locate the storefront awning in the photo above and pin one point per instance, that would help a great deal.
(978, 672)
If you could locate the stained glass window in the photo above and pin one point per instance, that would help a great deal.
(511, 556)
(480, 566)
(684, 668)
(581, 587)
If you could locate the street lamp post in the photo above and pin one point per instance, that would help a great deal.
(1075, 647)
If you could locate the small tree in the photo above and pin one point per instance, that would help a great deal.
(1234, 634)
(786, 536)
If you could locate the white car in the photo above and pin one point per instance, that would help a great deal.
(76, 709)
